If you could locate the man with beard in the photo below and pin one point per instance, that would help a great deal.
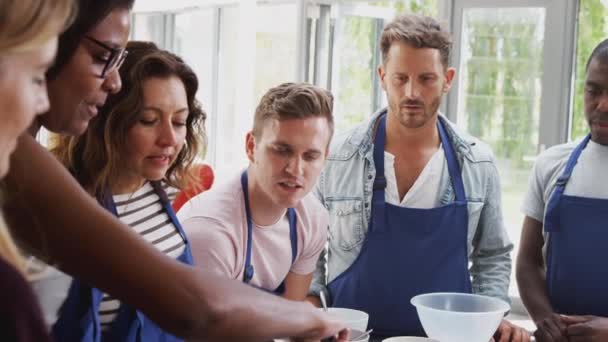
(561, 266)
(412, 199)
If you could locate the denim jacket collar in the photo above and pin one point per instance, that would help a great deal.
(361, 140)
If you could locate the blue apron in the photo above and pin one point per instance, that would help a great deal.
(406, 252)
(293, 236)
(577, 276)
(79, 316)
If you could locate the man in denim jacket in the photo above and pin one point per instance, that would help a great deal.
(412, 200)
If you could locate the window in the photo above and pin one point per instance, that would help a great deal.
(513, 61)
(345, 54)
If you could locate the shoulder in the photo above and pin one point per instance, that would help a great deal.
(346, 144)
(19, 307)
(557, 154)
(472, 148)
(551, 162)
(222, 203)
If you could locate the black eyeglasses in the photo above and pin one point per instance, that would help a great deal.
(117, 57)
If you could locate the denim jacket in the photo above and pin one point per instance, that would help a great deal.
(345, 189)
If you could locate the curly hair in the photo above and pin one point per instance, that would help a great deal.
(98, 157)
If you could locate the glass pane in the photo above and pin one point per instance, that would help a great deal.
(426, 7)
(500, 91)
(230, 142)
(354, 67)
(148, 27)
(356, 58)
(194, 43)
(275, 54)
(592, 29)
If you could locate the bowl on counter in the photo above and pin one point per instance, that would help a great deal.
(353, 319)
(459, 317)
(355, 336)
(408, 339)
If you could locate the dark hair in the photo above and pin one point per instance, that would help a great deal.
(294, 101)
(97, 157)
(600, 52)
(90, 13)
(418, 31)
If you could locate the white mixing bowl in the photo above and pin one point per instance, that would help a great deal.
(459, 317)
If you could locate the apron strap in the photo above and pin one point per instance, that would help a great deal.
(166, 202)
(248, 274)
(378, 196)
(551, 223)
(293, 233)
(453, 165)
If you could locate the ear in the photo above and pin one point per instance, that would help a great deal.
(250, 146)
(448, 78)
(381, 75)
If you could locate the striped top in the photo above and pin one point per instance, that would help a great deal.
(144, 212)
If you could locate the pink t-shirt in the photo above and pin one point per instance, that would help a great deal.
(216, 225)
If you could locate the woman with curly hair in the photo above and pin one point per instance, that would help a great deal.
(141, 142)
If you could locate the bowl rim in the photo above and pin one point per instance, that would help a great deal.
(505, 306)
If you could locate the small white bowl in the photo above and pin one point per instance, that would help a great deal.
(353, 319)
(408, 339)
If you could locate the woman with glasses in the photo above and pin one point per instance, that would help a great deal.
(28, 42)
(65, 226)
(143, 140)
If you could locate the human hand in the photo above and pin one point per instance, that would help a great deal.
(551, 329)
(326, 329)
(586, 328)
(509, 332)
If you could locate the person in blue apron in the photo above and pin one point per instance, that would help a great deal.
(151, 142)
(561, 271)
(412, 199)
(263, 226)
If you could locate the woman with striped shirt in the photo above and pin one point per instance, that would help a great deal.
(142, 142)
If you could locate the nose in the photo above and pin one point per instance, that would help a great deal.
(166, 135)
(112, 83)
(602, 104)
(43, 104)
(295, 166)
(412, 89)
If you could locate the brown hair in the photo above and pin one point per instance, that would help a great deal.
(418, 31)
(96, 158)
(294, 101)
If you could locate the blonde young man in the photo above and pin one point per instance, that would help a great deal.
(263, 226)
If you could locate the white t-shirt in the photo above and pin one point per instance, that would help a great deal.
(215, 223)
(424, 193)
(585, 181)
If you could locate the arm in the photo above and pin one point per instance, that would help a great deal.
(296, 286)
(58, 221)
(531, 281)
(491, 260)
(491, 268)
(530, 271)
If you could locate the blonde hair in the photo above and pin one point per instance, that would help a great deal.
(8, 249)
(25, 24)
